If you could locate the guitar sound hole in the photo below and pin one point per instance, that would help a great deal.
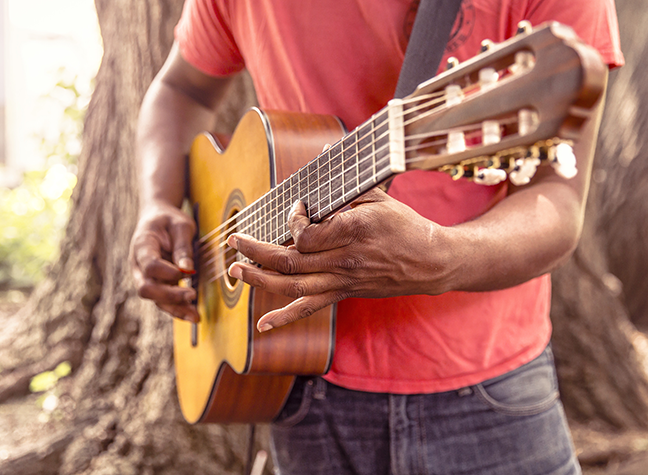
(231, 289)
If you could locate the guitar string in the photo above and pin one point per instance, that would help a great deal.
(433, 98)
(205, 240)
(279, 201)
(281, 198)
(218, 274)
(228, 261)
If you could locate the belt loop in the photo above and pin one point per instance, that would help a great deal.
(319, 391)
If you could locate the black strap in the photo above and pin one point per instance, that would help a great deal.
(430, 35)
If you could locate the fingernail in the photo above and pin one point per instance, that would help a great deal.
(233, 242)
(236, 272)
(265, 327)
(186, 264)
(188, 272)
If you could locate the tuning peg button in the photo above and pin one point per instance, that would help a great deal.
(489, 176)
(486, 45)
(524, 27)
(452, 63)
(524, 170)
(563, 160)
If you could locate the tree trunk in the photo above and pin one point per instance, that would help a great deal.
(120, 409)
(602, 288)
(118, 412)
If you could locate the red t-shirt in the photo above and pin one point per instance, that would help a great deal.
(343, 58)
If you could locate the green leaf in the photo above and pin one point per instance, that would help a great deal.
(63, 369)
(43, 382)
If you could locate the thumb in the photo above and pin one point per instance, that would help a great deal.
(182, 234)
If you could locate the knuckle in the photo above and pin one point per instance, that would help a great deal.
(297, 289)
(254, 279)
(304, 311)
(285, 262)
(144, 291)
(351, 263)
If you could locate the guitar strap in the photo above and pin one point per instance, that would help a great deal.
(430, 35)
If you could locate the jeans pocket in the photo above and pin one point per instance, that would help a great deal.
(527, 390)
(297, 405)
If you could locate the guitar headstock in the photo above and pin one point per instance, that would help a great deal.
(505, 110)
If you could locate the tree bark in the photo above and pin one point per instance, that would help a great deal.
(600, 293)
(119, 411)
(122, 413)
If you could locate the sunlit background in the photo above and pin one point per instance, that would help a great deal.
(50, 51)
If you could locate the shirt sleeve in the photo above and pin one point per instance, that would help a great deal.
(594, 21)
(205, 38)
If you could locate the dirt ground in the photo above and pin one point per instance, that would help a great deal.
(26, 427)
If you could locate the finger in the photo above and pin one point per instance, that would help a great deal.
(185, 312)
(148, 259)
(300, 308)
(182, 233)
(164, 293)
(339, 231)
(280, 258)
(295, 286)
(374, 195)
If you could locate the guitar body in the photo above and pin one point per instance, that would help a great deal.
(226, 370)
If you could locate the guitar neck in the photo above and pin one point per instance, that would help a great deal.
(358, 162)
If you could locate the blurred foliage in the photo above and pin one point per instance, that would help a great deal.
(47, 380)
(33, 215)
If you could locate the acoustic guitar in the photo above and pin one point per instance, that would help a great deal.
(496, 116)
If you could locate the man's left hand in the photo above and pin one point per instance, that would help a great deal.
(379, 248)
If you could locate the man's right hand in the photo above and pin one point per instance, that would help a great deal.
(160, 255)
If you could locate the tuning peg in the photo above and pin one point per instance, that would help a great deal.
(491, 132)
(563, 160)
(489, 176)
(524, 27)
(452, 63)
(455, 172)
(524, 170)
(486, 45)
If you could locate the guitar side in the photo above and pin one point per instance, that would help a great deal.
(226, 370)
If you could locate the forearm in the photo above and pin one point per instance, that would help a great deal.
(531, 232)
(168, 122)
(527, 235)
(179, 104)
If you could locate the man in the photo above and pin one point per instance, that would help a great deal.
(441, 362)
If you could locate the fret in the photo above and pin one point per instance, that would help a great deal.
(324, 165)
(381, 134)
(242, 221)
(273, 215)
(313, 188)
(350, 179)
(266, 221)
(337, 173)
(294, 188)
(351, 156)
(254, 215)
(303, 186)
(366, 146)
(284, 206)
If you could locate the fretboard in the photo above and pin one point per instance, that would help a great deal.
(329, 182)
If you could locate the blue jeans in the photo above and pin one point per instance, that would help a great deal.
(513, 424)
